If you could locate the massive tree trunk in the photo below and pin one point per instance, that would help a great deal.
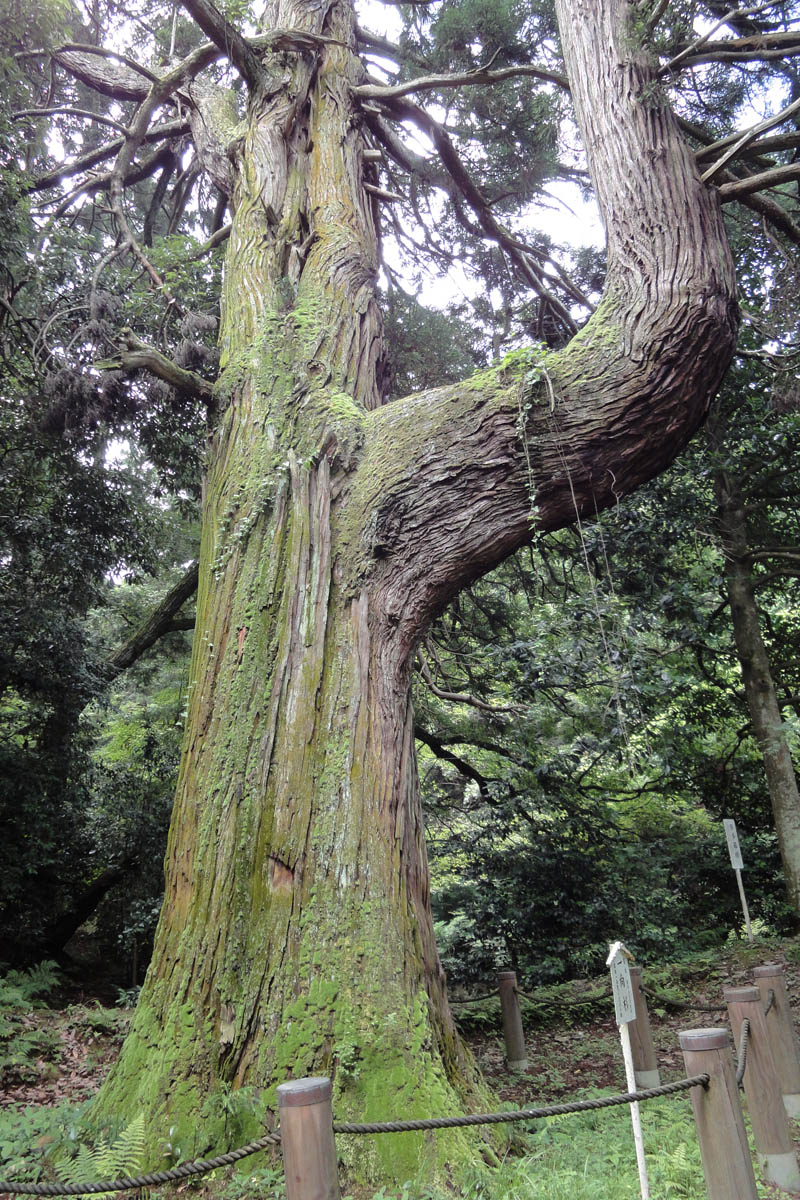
(296, 935)
(759, 686)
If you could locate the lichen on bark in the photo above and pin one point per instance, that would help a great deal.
(296, 935)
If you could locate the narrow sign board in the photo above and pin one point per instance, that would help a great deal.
(625, 1011)
(621, 985)
(734, 849)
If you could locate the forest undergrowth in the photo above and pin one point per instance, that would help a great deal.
(58, 1039)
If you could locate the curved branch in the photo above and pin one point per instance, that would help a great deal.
(461, 765)
(452, 480)
(768, 208)
(113, 75)
(227, 39)
(140, 357)
(460, 697)
(520, 257)
(93, 158)
(429, 83)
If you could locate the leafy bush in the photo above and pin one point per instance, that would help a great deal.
(28, 1135)
(22, 1046)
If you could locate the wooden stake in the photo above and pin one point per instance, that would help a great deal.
(718, 1116)
(307, 1141)
(771, 984)
(763, 1091)
(645, 1064)
(513, 1034)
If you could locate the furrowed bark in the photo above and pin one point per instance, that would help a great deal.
(296, 936)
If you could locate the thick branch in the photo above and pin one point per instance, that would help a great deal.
(105, 71)
(140, 357)
(226, 37)
(757, 151)
(86, 162)
(751, 135)
(757, 183)
(159, 622)
(732, 17)
(766, 207)
(429, 83)
(452, 480)
(56, 936)
(765, 48)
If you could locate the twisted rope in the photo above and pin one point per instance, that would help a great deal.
(202, 1165)
(199, 1167)
(572, 1002)
(523, 1114)
(742, 1055)
(475, 999)
(681, 1004)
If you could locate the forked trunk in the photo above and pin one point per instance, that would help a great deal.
(296, 935)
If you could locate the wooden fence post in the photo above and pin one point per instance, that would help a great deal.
(762, 1088)
(718, 1116)
(513, 1035)
(645, 1064)
(780, 1029)
(307, 1141)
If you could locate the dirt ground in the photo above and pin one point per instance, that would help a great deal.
(84, 1032)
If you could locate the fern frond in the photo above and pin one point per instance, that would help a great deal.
(123, 1157)
(129, 1149)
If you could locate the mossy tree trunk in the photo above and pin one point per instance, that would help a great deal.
(759, 685)
(296, 934)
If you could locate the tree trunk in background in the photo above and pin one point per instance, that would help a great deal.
(759, 688)
(296, 935)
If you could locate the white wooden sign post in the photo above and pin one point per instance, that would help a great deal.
(625, 1011)
(735, 851)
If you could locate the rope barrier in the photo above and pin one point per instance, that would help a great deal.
(577, 1002)
(742, 1055)
(524, 1114)
(572, 1002)
(201, 1166)
(660, 998)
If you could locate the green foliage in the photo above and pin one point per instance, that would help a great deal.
(125, 1156)
(250, 1181)
(241, 1109)
(23, 989)
(427, 347)
(30, 1135)
(23, 1045)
